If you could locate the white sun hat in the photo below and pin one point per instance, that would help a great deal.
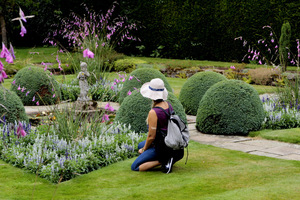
(155, 89)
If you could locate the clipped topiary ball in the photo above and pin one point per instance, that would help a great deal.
(11, 107)
(230, 108)
(195, 87)
(141, 76)
(33, 84)
(135, 108)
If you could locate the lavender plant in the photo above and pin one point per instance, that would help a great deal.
(57, 159)
(281, 115)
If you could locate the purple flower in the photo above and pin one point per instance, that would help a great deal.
(53, 96)
(129, 93)
(33, 99)
(23, 30)
(14, 82)
(88, 53)
(27, 93)
(11, 50)
(103, 44)
(19, 88)
(272, 40)
(45, 68)
(23, 89)
(22, 15)
(130, 78)
(232, 67)
(20, 130)
(37, 103)
(276, 46)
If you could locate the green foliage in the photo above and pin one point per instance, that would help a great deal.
(39, 83)
(135, 108)
(195, 87)
(11, 106)
(124, 65)
(289, 92)
(141, 76)
(284, 44)
(230, 108)
(69, 92)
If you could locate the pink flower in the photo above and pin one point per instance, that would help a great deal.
(112, 87)
(232, 67)
(20, 130)
(4, 51)
(33, 99)
(9, 59)
(130, 78)
(14, 82)
(53, 96)
(276, 46)
(45, 68)
(129, 93)
(108, 107)
(2, 76)
(272, 40)
(19, 88)
(103, 44)
(88, 53)
(23, 89)
(260, 62)
(37, 103)
(27, 93)
(105, 118)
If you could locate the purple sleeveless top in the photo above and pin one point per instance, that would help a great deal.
(162, 120)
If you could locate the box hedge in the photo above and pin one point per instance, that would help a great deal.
(230, 107)
(11, 106)
(141, 76)
(37, 83)
(195, 87)
(135, 108)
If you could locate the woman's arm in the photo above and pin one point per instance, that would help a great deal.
(152, 122)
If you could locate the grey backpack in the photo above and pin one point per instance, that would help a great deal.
(178, 134)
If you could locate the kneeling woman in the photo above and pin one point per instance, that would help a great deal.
(152, 151)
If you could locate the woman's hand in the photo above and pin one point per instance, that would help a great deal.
(141, 150)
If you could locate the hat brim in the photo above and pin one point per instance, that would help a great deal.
(154, 95)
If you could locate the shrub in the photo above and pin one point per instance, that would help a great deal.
(194, 89)
(11, 106)
(139, 77)
(135, 108)
(263, 76)
(127, 65)
(33, 82)
(69, 92)
(230, 108)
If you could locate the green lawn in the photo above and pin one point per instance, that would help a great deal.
(284, 135)
(211, 173)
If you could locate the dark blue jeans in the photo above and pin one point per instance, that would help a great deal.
(151, 155)
(148, 155)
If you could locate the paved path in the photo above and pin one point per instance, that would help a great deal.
(249, 145)
(245, 144)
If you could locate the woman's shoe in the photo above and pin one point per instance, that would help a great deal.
(167, 168)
